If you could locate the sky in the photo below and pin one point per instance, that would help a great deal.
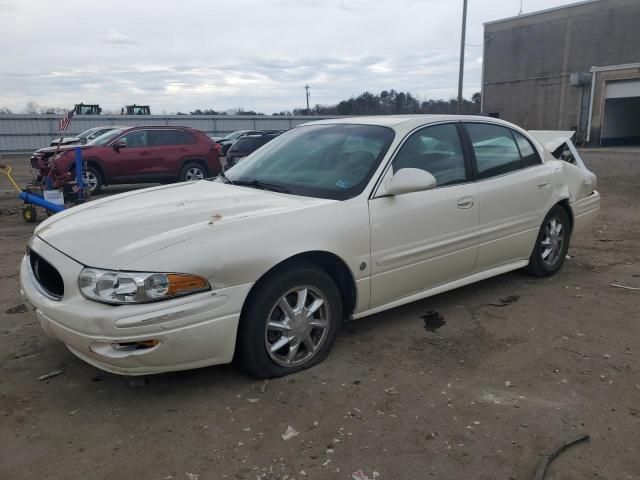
(225, 54)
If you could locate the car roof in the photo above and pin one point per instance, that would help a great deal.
(157, 127)
(397, 120)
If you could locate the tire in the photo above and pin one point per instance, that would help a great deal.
(29, 214)
(192, 171)
(267, 335)
(552, 243)
(92, 178)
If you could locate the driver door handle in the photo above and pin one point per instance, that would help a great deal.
(466, 202)
(146, 152)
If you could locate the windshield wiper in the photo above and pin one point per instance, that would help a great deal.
(274, 187)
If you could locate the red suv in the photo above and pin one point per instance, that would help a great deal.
(141, 155)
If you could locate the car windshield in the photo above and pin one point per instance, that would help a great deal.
(103, 139)
(325, 161)
(86, 133)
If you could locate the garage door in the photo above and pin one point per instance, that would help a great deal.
(623, 89)
(621, 122)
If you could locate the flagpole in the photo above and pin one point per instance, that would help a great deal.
(59, 141)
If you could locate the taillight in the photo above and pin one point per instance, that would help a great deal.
(216, 147)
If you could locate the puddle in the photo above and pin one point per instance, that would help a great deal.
(432, 321)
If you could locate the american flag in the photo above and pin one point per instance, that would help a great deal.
(65, 121)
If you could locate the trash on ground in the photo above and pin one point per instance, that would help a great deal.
(360, 475)
(253, 400)
(290, 433)
(54, 373)
(548, 457)
(626, 287)
(432, 321)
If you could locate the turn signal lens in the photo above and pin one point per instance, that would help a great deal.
(180, 283)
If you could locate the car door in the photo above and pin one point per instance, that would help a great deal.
(133, 161)
(424, 239)
(514, 191)
(169, 147)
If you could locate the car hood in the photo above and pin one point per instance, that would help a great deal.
(113, 232)
(62, 148)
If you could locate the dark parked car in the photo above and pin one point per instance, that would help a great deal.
(141, 155)
(247, 144)
(226, 141)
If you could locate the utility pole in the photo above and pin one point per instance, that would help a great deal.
(306, 87)
(462, 40)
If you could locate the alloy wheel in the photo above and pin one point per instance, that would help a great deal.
(194, 173)
(297, 326)
(552, 242)
(90, 180)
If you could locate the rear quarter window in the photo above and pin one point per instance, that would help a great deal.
(528, 153)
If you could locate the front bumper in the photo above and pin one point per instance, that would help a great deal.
(193, 331)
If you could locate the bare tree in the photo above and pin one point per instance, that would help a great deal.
(32, 108)
(5, 111)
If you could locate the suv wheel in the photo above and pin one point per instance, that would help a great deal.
(290, 321)
(192, 171)
(92, 179)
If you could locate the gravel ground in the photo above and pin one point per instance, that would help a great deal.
(503, 370)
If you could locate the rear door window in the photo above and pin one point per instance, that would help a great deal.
(244, 144)
(495, 149)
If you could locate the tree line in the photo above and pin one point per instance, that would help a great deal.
(387, 102)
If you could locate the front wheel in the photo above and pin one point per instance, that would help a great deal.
(290, 322)
(92, 179)
(552, 243)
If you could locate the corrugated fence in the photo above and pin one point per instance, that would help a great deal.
(26, 133)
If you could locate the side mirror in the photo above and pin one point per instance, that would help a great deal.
(407, 180)
(117, 145)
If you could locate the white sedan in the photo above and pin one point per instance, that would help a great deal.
(333, 220)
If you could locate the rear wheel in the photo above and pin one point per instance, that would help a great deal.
(192, 171)
(552, 243)
(290, 322)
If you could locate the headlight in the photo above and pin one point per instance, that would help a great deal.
(137, 287)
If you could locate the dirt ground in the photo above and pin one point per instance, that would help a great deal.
(516, 366)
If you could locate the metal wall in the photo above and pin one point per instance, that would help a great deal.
(529, 60)
(26, 133)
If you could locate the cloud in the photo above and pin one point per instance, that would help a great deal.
(257, 54)
(117, 38)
